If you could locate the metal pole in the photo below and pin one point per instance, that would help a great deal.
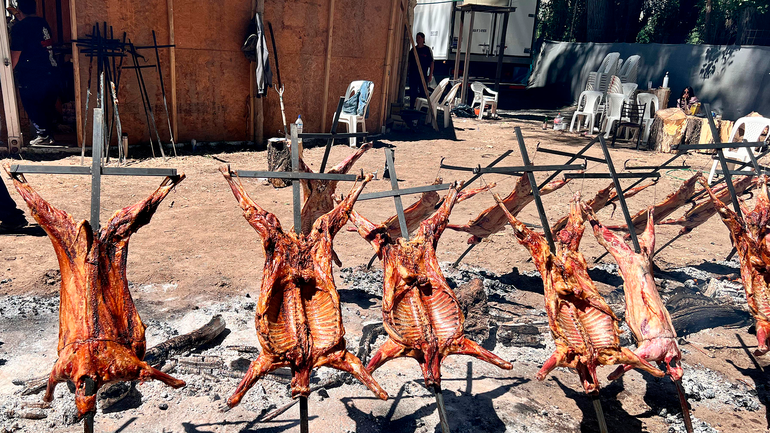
(462, 256)
(397, 198)
(143, 88)
(571, 160)
(441, 409)
(459, 46)
(501, 54)
(621, 197)
(163, 91)
(685, 407)
(330, 141)
(599, 412)
(535, 191)
(466, 65)
(303, 412)
(728, 177)
(295, 188)
(88, 419)
(96, 167)
(141, 93)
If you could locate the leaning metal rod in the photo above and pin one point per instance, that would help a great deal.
(88, 419)
(153, 124)
(303, 415)
(144, 103)
(163, 91)
(685, 407)
(333, 131)
(442, 416)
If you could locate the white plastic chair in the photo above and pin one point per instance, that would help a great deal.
(353, 120)
(613, 111)
(483, 100)
(629, 69)
(651, 106)
(447, 104)
(753, 129)
(588, 107)
(435, 96)
(615, 86)
(628, 90)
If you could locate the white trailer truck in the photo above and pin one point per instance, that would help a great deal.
(440, 22)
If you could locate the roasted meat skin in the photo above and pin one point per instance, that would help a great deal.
(703, 210)
(298, 317)
(420, 312)
(492, 220)
(646, 313)
(583, 326)
(319, 194)
(101, 336)
(602, 198)
(666, 207)
(749, 236)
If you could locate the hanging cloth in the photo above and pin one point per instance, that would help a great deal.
(255, 49)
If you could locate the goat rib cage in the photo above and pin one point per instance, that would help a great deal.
(298, 317)
(420, 312)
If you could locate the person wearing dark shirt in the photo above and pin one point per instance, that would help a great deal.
(426, 62)
(35, 70)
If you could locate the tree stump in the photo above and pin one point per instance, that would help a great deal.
(279, 159)
(668, 129)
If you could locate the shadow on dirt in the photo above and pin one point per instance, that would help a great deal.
(617, 418)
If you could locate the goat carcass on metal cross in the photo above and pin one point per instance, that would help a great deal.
(298, 317)
(646, 314)
(583, 326)
(101, 336)
(492, 220)
(420, 312)
(751, 238)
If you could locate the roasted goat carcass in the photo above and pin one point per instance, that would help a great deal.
(319, 194)
(602, 198)
(416, 213)
(704, 209)
(583, 326)
(646, 314)
(420, 312)
(669, 205)
(493, 220)
(750, 238)
(101, 337)
(298, 318)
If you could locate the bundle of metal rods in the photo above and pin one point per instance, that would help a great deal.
(110, 54)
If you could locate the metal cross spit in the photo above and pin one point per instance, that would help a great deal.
(96, 171)
(528, 169)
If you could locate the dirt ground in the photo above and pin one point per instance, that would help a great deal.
(198, 257)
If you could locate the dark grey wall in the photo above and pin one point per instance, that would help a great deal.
(735, 80)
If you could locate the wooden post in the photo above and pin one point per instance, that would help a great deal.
(172, 66)
(422, 77)
(76, 69)
(327, 67)
(388, 64)
(467, 64)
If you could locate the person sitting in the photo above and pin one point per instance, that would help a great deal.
(688, 100)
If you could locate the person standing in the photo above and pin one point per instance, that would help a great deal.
(35, 70)
(425, 54)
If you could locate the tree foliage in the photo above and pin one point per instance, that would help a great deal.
(722, 22)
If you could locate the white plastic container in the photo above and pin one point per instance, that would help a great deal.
(299, 128)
